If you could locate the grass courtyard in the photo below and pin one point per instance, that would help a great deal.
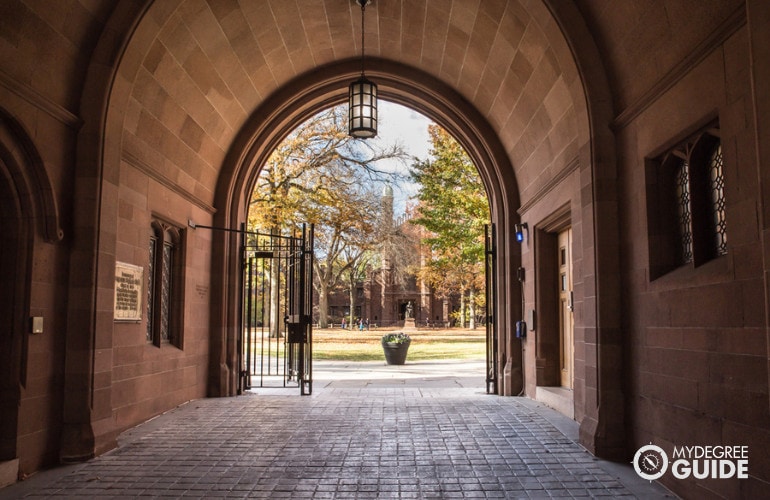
(427, 344)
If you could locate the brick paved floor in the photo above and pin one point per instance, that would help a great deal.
(401, 435)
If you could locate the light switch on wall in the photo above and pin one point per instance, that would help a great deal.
(37, 324)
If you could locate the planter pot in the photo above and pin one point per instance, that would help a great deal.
(395, 354)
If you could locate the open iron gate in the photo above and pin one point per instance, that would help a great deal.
(490, 249)
(276, 335)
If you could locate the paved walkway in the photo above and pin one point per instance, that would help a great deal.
(422, 430)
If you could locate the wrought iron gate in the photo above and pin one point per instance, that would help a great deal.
(490, 249)
(276, 337)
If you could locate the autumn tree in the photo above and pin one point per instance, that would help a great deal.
(453, 210)
(344, 234)
(320, 175)
(355, 262)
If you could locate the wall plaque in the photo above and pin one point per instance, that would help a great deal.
(128, 292)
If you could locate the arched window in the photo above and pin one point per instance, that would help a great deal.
(686, 203)
(165, 291)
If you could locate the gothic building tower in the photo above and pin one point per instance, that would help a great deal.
(389, 285)
(385, 278)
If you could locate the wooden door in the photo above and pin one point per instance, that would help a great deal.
(566, 337)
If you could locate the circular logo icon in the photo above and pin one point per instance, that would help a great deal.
(650, 462)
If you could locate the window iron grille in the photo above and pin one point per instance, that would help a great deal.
(684, 213)
(165, 293)
(717, 181)
(151, 289)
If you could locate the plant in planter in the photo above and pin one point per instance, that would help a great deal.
(395, 347)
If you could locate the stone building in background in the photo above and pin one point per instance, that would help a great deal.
(391, 285)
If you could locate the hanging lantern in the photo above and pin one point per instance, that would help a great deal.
(362, 111)
(362, 97)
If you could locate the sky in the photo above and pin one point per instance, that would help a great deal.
(398, 123)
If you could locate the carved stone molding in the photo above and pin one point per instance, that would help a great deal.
(140, 165)
(26, 167)
(548, 187)
(40, 101)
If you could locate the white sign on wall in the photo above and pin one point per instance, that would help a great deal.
(128, 292)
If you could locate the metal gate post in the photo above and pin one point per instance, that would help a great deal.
(243, 378)
(490, 282)
(306, 310)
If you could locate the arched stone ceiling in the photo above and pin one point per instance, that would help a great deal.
(641, 40)
(205, 66)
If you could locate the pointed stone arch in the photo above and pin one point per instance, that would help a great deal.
(299, 100)
(28, 212)
(504, 139)
(25, 166)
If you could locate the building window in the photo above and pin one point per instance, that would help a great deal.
(165, 290)
(151, 287)
(684, 211)
(717, 189)
(686, 203)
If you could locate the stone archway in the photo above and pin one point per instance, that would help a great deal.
(28, 213)
(304, 97)
(491, 94)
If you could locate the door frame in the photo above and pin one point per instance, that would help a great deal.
(547, 343)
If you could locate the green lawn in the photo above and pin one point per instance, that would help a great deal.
(352, 345)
